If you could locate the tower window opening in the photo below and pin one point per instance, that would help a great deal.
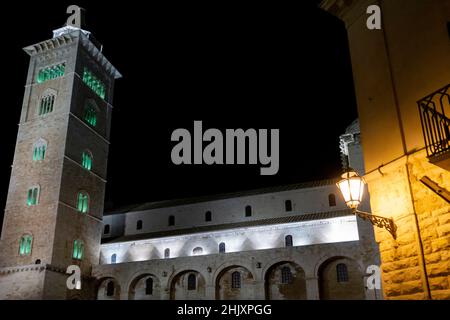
(90, 114)
(39, 150)
(86, 160)
(46, 105)
(25, 245)
(33, 196)
(78, 249)
(94, 83)
(83, 202)
(51, 72)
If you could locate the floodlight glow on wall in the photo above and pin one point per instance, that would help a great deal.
(352, 189)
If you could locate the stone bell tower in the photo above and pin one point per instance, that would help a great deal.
(53, 215)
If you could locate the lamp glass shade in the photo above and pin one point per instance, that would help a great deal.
(352, 188)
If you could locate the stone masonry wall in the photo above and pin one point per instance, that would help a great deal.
(398, 193)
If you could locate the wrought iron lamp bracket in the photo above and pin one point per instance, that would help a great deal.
(380, 222)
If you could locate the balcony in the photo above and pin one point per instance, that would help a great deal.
(434, 112)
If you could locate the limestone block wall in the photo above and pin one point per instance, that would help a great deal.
(418, 261)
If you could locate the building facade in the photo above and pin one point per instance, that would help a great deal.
(290, 242)
(402, 75)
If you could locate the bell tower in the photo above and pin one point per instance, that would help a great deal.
(53, 214)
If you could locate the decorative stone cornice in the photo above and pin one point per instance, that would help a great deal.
(36, 267)
(347, 10)
(50, 44)
(69, 38)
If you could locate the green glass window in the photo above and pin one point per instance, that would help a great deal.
(83, 202)
(94, 83)
(51, 72)
(86, 160)
(25, 245)
(39, 151)
(90, 115)
(33, 195)
(46, 105)
(78, 249)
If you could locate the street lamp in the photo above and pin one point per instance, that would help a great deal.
(352, 189)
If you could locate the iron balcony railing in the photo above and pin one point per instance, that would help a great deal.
(434, 111)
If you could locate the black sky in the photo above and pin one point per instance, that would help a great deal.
(260, 66)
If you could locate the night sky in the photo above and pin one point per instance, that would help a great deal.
(260, 66)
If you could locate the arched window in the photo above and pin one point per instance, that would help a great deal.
(106, 229)
(86, 160)
(39, 149)
(113, 258)
(197, 251)
(331, 200)
(286, 275)
(149, 286)
(171, 220)
(341, 272)
(192, 282)
(139, 225)
(248, 211)
(25, 243)
(33, 196)
(235, 280)
(38, 261)
(222, 247)
(47, 102)
(208, 216)
(83, 202)
(167, 253)
(288, 240)
(51, 72)
(90, 113)
(110, 288)
(78, 249)
(288, 205)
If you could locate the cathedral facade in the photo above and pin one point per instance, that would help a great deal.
(290, 242)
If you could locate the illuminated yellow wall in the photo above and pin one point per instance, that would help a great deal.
(393, 68)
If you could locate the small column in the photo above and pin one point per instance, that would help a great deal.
(210, 292)
(260, 292)
(312, 288)
(165, 293)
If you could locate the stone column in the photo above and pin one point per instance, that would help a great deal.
(210, 292)
(260, 293)
(312, 288)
